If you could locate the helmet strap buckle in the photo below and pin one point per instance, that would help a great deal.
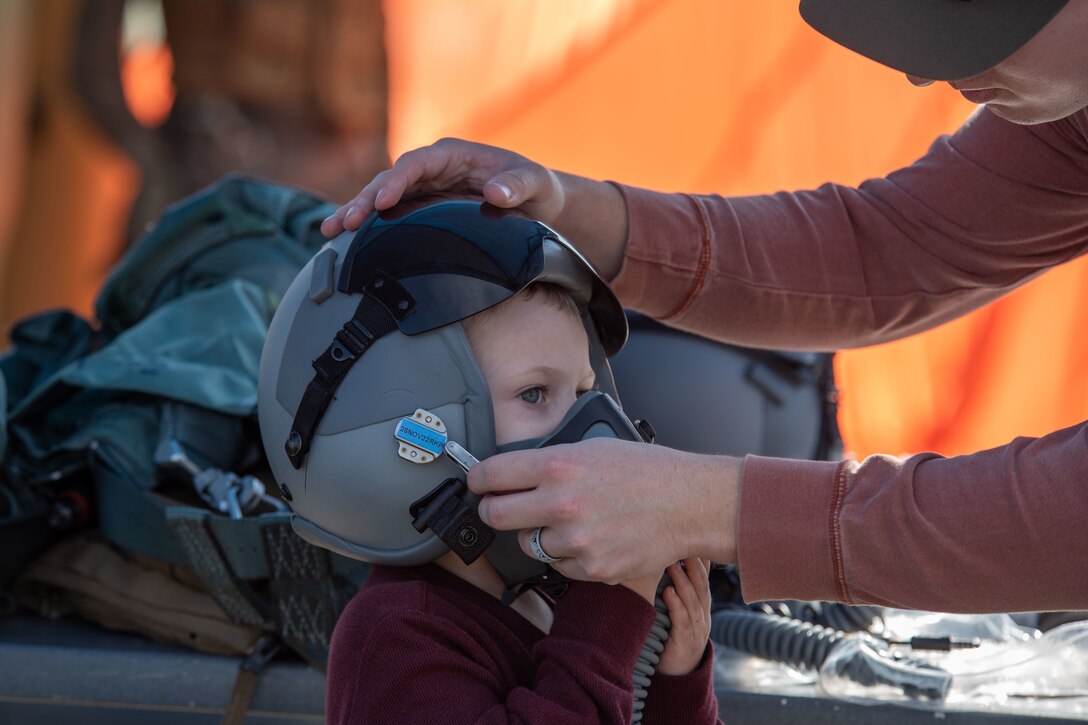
(453, 520)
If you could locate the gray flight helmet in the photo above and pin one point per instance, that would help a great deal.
(369, 334)
(705, 396)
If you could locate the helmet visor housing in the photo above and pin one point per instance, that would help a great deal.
(458, 258)
(329, 410)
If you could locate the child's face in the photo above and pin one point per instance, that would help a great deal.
(535, 359)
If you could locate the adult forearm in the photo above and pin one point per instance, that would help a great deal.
(706, 516)
(839, 267)
(995, 531)
(594, 219)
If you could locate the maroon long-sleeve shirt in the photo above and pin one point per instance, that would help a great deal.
(985, 210)
(420, 645)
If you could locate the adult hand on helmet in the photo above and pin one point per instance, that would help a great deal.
(591, 214)
(614, 510)
(503, 177)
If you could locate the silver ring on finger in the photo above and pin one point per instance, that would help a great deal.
(538, 550)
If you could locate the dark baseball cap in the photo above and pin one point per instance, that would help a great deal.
(936, 39)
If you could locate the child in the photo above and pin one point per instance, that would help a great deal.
(435, 643)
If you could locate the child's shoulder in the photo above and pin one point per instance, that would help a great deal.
(428, 598)
(392, 599)
(402, 592)
(396, 589)
(399, 606)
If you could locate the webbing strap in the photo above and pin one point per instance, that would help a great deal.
(307, 589)
(235, 596)
(245, 683)
(306, 600)
(136, 520)
(241, 695)
(371, 320)
(308, 586)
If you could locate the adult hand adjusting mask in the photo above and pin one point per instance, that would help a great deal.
(366, 372)
(593, 415)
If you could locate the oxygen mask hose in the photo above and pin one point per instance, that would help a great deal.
(808, 646)
(652, 648)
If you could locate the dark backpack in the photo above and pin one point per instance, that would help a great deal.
(142, 424)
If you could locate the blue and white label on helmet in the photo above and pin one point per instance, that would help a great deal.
(422, 436)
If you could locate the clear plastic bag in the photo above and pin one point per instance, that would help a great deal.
(1014, 669)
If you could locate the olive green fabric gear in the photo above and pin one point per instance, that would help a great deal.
(172, 360)
(129, 593)
(183, 317)
(203, 349)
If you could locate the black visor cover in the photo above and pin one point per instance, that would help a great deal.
(458, 258)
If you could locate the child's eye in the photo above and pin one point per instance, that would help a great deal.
(532, 396)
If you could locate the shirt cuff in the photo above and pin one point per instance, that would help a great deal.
(660, 279)
(788, 543)
(683, 698)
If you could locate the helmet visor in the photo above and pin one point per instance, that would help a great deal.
(458, 258)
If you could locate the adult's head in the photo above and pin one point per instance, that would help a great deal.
(1026, 60)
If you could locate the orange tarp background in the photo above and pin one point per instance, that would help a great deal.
(680, 95)
(66, 188)
(743, 98)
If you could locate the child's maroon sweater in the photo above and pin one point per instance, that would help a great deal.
(420, 645)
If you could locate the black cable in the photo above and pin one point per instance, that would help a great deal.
(805, 645)
(801, 644)
(651, 651)
(844, 617)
